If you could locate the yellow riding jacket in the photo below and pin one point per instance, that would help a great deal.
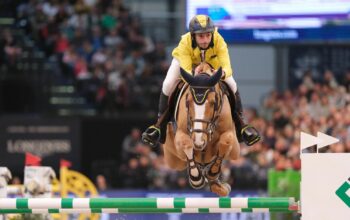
(188, 54)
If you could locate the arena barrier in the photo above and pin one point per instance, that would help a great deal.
(147, 203)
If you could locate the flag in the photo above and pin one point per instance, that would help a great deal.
(32, 160)
(65, 163)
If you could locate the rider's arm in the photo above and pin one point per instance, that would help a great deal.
(223, 55)
(183, 53)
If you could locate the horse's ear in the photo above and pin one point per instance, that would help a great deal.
(186, 76)
(215, 78)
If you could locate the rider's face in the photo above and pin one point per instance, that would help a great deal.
(203, 39)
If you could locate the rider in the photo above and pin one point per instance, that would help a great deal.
(202, 42)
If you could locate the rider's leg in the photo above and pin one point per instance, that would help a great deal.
(245, 132)
(154, 133)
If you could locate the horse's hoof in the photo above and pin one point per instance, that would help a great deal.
(221, 189)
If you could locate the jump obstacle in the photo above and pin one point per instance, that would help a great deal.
(146, 205)
(99, 203)
(142, 205)
(145, 210)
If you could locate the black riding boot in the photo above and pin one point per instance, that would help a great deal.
(157, 132)
(244, 132)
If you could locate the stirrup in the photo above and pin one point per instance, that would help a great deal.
(151, 136)
(251, 139)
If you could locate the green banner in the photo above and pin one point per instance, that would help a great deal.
(286, 184)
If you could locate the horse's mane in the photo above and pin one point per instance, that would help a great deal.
(206, 68)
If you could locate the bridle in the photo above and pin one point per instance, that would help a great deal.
(211, 122)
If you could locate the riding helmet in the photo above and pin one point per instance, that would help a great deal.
(201, 24)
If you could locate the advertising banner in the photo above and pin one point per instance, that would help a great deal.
(51, 139)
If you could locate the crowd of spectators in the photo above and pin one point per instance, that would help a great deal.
(100, 48)
(314, 106)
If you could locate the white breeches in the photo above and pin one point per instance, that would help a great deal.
(173, 77)
(231, 83)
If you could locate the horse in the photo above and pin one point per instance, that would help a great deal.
(203, 133)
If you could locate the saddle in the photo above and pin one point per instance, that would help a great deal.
(168, 115)
(174, 100)
(227, 91)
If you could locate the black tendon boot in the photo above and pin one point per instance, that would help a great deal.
(157, 132)
(244, 132)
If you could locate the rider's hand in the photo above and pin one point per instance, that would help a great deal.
(198, 69)
(223, 76)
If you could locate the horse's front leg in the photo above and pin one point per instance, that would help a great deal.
(224, 146)
(184, 145)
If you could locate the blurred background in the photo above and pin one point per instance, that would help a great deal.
(80, 80)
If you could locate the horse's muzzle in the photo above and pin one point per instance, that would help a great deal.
(200, 147)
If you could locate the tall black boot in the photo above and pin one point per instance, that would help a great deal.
(244, 132)
(157, 132)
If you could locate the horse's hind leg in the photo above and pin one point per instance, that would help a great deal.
(172, 160)
(184, 144)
